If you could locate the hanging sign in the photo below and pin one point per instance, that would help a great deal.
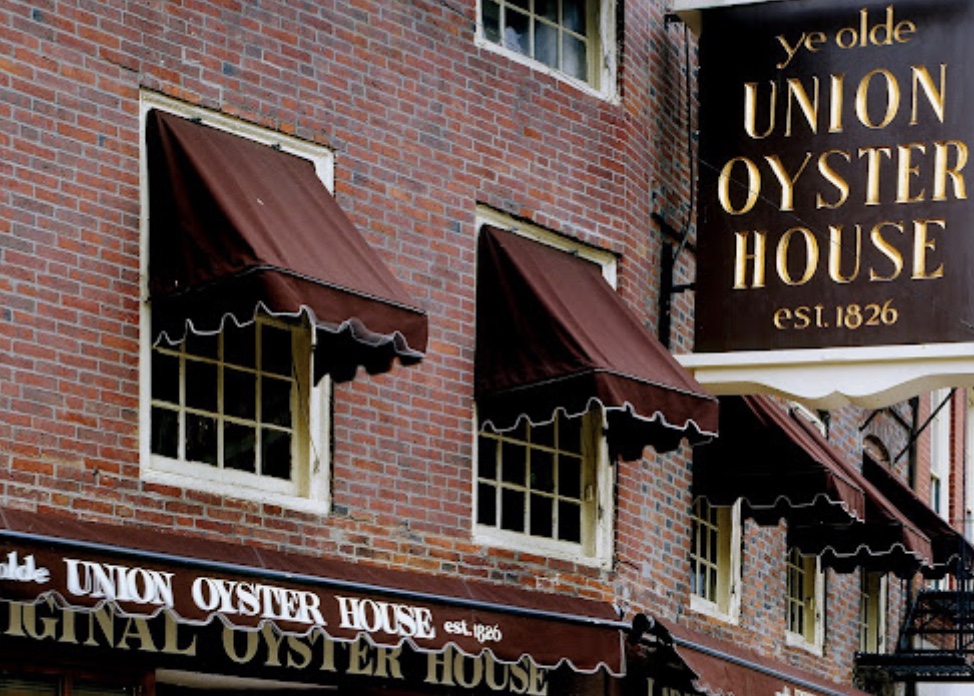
(835, 178)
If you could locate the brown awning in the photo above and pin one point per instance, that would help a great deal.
(723, 669)
(951, 551)
(552, 336)
(238, 228)
(777, 464)
(82, 566)
(783, 467)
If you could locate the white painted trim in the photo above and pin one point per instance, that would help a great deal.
(829, 378)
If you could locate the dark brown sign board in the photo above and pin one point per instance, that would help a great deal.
(835, 181)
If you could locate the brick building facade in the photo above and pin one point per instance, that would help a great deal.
(575, 135)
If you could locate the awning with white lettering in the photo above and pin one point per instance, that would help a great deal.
(81, 566)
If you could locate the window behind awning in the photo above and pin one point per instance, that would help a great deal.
(552, 335)
(238, 228)
(784, 468)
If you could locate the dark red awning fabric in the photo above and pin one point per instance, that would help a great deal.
(778, 467)
(552, 336)
(200, 581)
(951, 551)
(783, 467)
(723, 669)
(237, 228)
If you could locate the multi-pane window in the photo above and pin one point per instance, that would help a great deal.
(714, 561)
(532, 480)
(55, 686)
(803, 597)
(227, 401)
(563, 35)
(872, 612)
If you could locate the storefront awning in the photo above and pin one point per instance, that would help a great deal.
(238, 228)
(55, 564)
(777, 463)
(723, 669)
(552, 335)
(951, 552)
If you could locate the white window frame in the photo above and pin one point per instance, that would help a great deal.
(596, 547)
(813, 638)
(603, 74)
(940, 454)
(873, 603)
(727, 608)
(309, 490)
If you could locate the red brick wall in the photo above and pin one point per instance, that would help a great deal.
(424, 126)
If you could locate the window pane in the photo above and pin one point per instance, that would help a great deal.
(275, 401)
(516, 36)
(542, 472)
(201, 439)
(512, 510)
(570, 478)
(543, 435)
(203, 346)
(491, 17)
(275, 453)
(573, 15)
(239, 345)
(487, 458)
(165, 377)
(239, 447)
(486, 504)
(574, 57)
(542, 516)
(513, 468)
(569, 521)
(201, 385)
(240, 394)
(275, 350)
(165, 432)
(570, 434)
(547, 9)
(523, 4)
(546, 44)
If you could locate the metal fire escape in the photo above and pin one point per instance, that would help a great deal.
(936, 641)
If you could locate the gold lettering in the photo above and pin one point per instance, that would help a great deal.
(836, 101)
(387, 663)
(831, 176)
(836, 247)
(887, 249)
(905, 171)
(872, 171)
(892, 99)
(752, 187)
(170, 644)
(137, 628)
(360, 658)
(787, 181)
(460, 663)
(741, 258)
(230, 645)
(934, 95)
(809, 107)
(921, 244)
(750, 110)
(811, 256)
(942, 170)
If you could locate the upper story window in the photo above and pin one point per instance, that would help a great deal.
(804, 601)
(544, 485)
(573, 39)
(872, 612)
(715, 560)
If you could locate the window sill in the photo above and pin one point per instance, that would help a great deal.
(711, 610)
(547, 548)
(311, 505)
(794, 640)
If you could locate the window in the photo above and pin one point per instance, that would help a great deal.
(715, 566)
(571, 38)
(236, 412)
(872, 612)
(804, 599)
(55, 686)
(940, 453)
(546, 487)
